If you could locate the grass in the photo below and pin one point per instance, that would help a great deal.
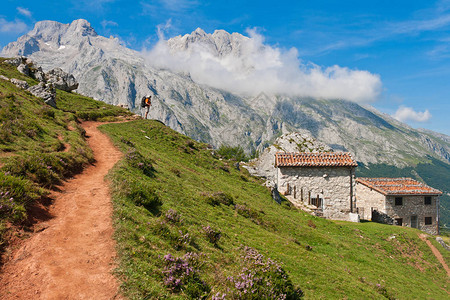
(86, 108)
(325, 259)
(39, 147)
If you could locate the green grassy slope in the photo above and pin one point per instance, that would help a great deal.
(166, 175)
(39, 146)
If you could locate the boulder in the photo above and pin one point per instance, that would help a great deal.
(24, 69)
(275, 194)
(441, 241)
(61, 80)
(44, 91)
(20, 83)
(38, 74)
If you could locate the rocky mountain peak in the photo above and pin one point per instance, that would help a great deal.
(219, 43)
(46, 27)
(81, 27)
(48, 30)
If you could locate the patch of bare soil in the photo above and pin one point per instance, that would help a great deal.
(72, 254)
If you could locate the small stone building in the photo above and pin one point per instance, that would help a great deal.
(323, 181)
(398, 201)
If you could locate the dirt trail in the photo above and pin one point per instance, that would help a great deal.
(74, 256)
(436, 252)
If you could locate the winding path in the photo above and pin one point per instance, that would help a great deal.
(436, 253)
(74, 256)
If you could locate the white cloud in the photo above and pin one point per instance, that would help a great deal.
(255, 67)
(24, 11)
(90, 5)
(106, 23)
(16, 26)
(404, 114)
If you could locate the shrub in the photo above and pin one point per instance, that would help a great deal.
(136, 160)
(183, 240)
(212, 235)
(234, 153)
(218, 198)
(248, 213)
(261, 278)
(182, 274)
(172, 216)
(146, 198)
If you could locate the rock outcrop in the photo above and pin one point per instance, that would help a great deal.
(19, 83)
(55, 78)
(264, 165)
(61, 80)
(45, 91)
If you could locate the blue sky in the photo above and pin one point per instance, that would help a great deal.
(406, 43)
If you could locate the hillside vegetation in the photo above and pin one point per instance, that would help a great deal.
(39, 147)
(189, 224)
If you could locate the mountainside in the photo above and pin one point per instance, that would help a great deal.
(114, 74)
(117, 75)
(190, 224)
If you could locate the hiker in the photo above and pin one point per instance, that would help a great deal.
(146, 102)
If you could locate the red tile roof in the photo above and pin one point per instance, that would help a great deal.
(306, 159)
(398, 186)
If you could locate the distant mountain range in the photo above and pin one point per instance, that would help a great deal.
(108, 71)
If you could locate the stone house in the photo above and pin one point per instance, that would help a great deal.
(399, 201)
(321, 181)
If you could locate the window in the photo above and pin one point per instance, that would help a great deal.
(398, 200)
(399, 221)
(427, 200)
(428, 220)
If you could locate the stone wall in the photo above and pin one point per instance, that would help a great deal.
(415, 206)
(334, 185)
(367, 200)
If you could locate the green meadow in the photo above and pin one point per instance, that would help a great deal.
(165, 172)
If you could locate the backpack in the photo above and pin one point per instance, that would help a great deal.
(143, 102)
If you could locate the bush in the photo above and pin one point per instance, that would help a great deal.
(182, 274)
(261, 278)
(217, 198)
(146, 198)
(172, 216)
(233, 153)
(212, 235)
(248, 213)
